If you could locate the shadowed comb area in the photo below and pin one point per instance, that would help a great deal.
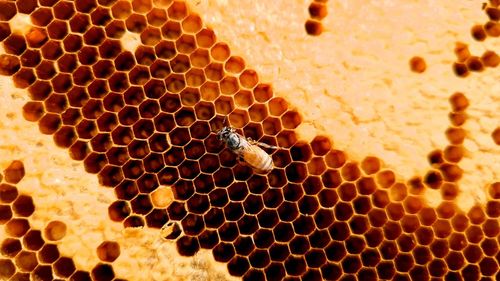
(28, 253)
(142, 120)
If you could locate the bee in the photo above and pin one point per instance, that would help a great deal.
(248, 150)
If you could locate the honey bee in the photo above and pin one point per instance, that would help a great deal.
(248, 150)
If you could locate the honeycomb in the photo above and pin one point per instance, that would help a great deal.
(317, 11)
(32, 254)
(143, 122)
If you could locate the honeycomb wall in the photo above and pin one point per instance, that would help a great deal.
(144, 119)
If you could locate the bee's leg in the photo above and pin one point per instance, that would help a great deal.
(265, 145)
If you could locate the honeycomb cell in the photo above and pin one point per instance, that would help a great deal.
(417, 64)
(291, 120)
(317, 10)
(79, 150)
(9, 64)
(24, 78)
(347, 191)
(119, 210)
(313, 27)
(439, 248)
(7, 269)
(461, 51)
(490, 59)
(33, 240)
(492, 28)
(214, 71)
(4, 30)
(40, 90)
(13, 174)
(45, 70)
(103, 272)
(283, 232)
(460, 69)
(26, 261)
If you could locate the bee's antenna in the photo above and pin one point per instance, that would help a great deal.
(225, 123)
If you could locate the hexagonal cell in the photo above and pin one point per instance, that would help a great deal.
(26, 261)
(214, 72)
(492, 28)
(30, 58)
(10, 247)
(12, 174)
(24, 78)
(118, 211)
(160, 69)
(186, 44)
(10, 64)
(313, 27)
(6, 214)
(490, 59)
(128, 115)
(33, 111)
(460, 69)
(103, 272)
(136, 23)
(23, 206)
(454, 153)
(133, 221)
(220, 52)
(151, 36)
(228, 232)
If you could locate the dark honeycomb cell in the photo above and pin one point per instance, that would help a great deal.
(7, 269)
(223, 252)
(259, 258)
(417, 64)
(103, 272)
(490, 59)
(313, 27)
(141, 204)
(26, 261)
(118, 211)
(43, 272)
(208, 239)
(24, 78)
(133, 221)
(215, 216)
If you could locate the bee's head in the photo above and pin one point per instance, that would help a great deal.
(223, 134)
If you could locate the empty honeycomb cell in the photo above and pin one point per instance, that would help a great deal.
(455, 135)
(94, 162)
(109, 49)
(153, 162)
(12, 174)
(476, 215)
(172, 31)
(258, 112)
(335, 159)
(64, 10)
(30, 58)
(233, 211)
(45, 70)
(141, 204)
(57, 29)
(103, 272)
(358, 224)
(228, 232)
(80, 276)
(253, 204)
(224, 105)
(488, 266)
(118, 210)
(228, 85)
(489, 246)
(42, 16)
(192, 224)
(313, 27)
(186, 44)
(474, 63)
(347, 191)
(150, 36)
(133, 221)
(331, 178)
(362, 205)
(392, 230)
(439, 248)
(301, 151)
(377, 217)
(317, 10)
(26, 261)
(283, 232)
(214, 71)
(64, 267)
(380, 198)
(323, 218)
(268, 218)
(455, 260)
(160, 69)
(478, 33)
(398, 192)
(460, 69)
(136, 23)
(366, 185)
(271, 126)
(9, 64)
(6, 214)
(92, 109)
(417, 64)
(7, 269)
(406, 243)
(412, 204)
(263, 238)
(288, 211)
(492, 28)
(350, 171)
(220, 52)
(490, 59)
(259, 258)
(79, 23)
(10, 247)
(23, 206)
(127, 116)
(86, 129)
(490, 228)
(68, 63)
(175, 83)
(223, 252)
(474, 234)
(319, 239)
